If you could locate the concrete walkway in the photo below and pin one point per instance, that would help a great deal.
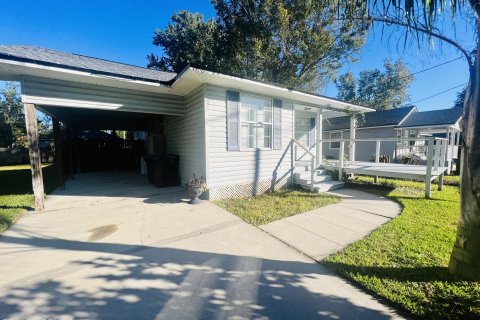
(323, 231)
(111, 246)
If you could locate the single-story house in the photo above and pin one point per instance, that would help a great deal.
(402, 123)
(238, 133)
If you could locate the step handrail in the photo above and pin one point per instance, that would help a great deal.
(312, 163)
(303, 147)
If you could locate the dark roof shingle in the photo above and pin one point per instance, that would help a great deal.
(391, 117)
(72, 61)
(433, 118)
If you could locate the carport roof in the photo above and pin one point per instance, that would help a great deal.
(54, 58)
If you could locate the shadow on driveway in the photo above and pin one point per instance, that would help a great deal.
(146, 282)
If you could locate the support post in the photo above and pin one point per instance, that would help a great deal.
(292, 164)
(377, 158)
(440, 182)
(312, 174)
(438, 148)
(319, 148)
(449, 151)
(444, 158)
(428, 176)
(34, 153)
(352, 138)
(57, 137)
(340, 160)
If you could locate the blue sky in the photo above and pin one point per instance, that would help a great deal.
(122, 31)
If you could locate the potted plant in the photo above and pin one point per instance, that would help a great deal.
(196, 187)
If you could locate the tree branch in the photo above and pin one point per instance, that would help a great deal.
(418, 29)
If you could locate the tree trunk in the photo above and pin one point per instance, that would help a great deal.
(465, 258)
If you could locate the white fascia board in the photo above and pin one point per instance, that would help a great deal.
(198, 76)
(15, 71)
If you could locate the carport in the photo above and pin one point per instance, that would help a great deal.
(84, 93)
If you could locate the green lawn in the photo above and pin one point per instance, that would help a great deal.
(16, 195)
(405, 261)
(273, 206)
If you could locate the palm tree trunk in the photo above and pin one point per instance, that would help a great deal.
(465, 258)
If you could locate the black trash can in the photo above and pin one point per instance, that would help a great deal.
(163, 170)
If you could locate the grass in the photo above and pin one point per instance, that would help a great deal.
(273, 206)
(406, 260)
(16, 195)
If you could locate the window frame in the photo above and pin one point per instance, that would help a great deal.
(341, 137)
(241, 122)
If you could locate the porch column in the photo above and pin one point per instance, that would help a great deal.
(449, 150)
(58, 139)
(352, 138)
(34, 153)
(319, 143)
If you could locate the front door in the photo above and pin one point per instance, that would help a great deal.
(305, 134)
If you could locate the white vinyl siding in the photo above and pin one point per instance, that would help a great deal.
(185, 136)
(247, 166)
(51, 92)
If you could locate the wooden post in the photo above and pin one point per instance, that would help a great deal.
(34, 153)
(440, 182)
(444, 159)
(377, 158)
(57, 137)
(352, 138)
(312, 174)
(449, 151)
(428, 176)
(438, 148)
(319, 148)
(292, 163)
(340, 160)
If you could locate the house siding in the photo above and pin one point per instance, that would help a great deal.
(244, 172)
(73, 94)
(364, 150)
(185, 136)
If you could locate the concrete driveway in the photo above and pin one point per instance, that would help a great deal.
(111, 246)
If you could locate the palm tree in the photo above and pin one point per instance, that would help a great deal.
(420, 19)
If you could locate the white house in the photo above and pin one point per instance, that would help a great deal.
(236, 132)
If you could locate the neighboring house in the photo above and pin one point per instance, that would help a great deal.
(236, 132)
(401, 123)
(379, 124)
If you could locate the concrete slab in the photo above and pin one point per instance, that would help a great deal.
(323, 231)
(103, 254)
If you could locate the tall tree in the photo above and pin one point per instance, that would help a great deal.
(421, 19)
(375, 88)
(298, 44)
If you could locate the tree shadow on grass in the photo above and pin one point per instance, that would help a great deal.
(129, 282)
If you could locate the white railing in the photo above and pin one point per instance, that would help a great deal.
(312, 160)
(435, 150)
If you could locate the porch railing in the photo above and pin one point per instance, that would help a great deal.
(436, 154)
(312, 160)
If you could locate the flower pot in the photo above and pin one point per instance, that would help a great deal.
(194, 194)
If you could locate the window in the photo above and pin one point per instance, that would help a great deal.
(304, 131)
(255, 122)
(335, 135)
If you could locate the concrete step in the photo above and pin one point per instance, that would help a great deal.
(306, 174)
(317, 179)
(324, 186)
